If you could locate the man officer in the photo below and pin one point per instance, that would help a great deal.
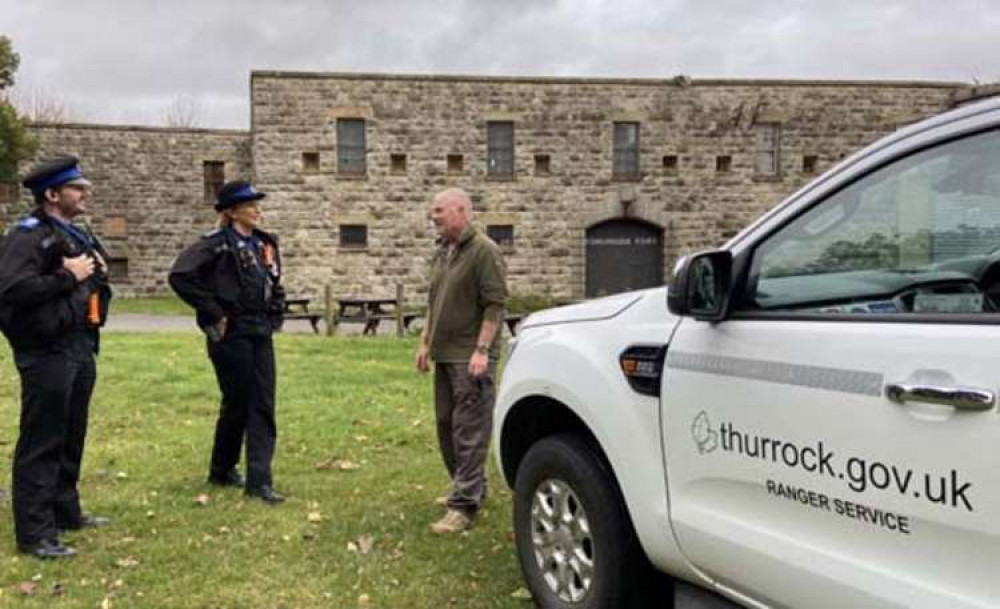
(53, 299)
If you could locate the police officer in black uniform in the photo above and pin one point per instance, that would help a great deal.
(54, 297)
(232, 278)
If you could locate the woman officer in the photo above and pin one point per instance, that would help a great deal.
(232, 278)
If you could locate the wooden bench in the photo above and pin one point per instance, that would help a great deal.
(298, 308)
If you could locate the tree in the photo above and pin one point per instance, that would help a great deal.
(184, 111)
(9, 61)
(16, 144)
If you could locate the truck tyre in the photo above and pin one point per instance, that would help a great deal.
(575, 542)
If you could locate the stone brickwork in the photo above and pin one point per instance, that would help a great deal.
(570, 120)
(148, 199)
(149, 183)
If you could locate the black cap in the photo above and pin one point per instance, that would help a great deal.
(238, 191)
(53, 173)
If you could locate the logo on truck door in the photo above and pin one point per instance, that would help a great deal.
(705, 438)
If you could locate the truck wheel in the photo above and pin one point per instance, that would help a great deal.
(574, 539)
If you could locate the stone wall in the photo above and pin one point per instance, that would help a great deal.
(148, 199)
(571, 121)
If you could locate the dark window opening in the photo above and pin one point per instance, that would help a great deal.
(670, 163)
(625, 153)
(455, 163)
(809, 163)
(500, 149)
(215, 177)
(397, 163)
(117, 269)
(351, 146)
(353, 235)
(543, 165)
(501, 234)
(723, 163)
(310, 161)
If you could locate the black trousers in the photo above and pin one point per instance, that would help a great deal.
(244, 367)
(56, 385)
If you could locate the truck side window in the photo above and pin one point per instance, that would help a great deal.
(920, 235)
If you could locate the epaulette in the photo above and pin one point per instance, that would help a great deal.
(29, 223)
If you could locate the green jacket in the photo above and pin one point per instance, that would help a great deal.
(467, 287)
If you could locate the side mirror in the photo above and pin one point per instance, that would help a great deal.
(701, 286)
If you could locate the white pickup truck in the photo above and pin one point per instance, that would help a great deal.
(807, 419)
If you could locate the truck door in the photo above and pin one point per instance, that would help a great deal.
(835, 441)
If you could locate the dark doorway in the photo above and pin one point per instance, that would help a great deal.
(623, 255)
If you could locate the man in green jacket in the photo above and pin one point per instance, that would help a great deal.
(464, 315)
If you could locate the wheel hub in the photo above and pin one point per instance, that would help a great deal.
(562, 541)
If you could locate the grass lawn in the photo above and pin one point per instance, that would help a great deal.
(158, 305)
(345, 538)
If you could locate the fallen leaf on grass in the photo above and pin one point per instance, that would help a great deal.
(202, 499)
(315, 517)
(58, 589)
(364, 601)
(521, 594)
(27, 588)
(366, 543)
(342, 465)
(106, 603)
(127, 563)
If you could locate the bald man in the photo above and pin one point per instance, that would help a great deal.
(465, 311)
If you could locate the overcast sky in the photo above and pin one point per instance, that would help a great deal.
(130, 61)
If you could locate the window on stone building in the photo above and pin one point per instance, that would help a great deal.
(670, 163)
(456, 164)
(310, 162)
(625, 152)
(353, 235)
(215, 176)
(767, 148)
(809, 162)
(117, 269)
(543, 165)
(397, 163)
(723, 163)
(502, 234)
(351, 146)
(500, 149)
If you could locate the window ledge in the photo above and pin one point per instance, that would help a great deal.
(500, 178)
(636, 178)
(352, 249)
(355, 177)
(760, 178)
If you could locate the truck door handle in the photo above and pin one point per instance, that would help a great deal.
(961, 398)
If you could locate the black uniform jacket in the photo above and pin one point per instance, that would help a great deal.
(221, 279)
(40, 301)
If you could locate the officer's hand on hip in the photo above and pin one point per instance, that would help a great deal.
(82, 267)
(478, 363)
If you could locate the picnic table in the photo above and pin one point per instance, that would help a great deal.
(370, 311)
(298, 308)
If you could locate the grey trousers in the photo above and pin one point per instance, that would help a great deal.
(464, 411)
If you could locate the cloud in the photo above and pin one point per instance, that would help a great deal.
(118, 60)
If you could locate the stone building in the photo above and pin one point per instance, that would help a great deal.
(591, 186)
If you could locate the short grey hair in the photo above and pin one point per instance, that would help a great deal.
(455, 194)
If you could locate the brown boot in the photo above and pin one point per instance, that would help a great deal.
(454, 521)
